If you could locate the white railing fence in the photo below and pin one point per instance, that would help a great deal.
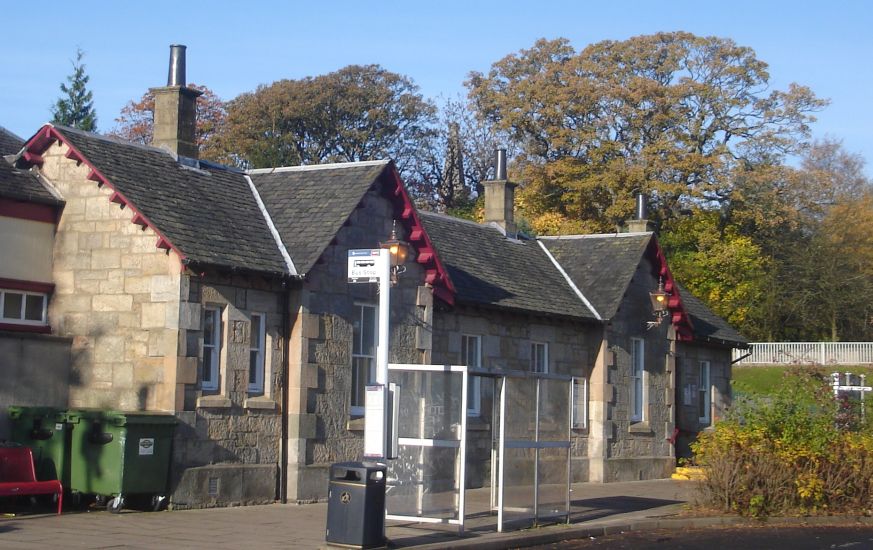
(805, 353)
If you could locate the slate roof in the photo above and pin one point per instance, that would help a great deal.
(490, 270)
(19, 183)
(309, 204)
(707, 325)
(210, 215)
(601, 266)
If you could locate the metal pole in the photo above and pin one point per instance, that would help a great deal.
(501, 455)
(536, 494)
(384, 316)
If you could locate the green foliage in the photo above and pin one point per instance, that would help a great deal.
(719, 265)
(798, 450)
(356, 113)
(76, 107)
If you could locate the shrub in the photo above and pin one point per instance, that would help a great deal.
(799, 450)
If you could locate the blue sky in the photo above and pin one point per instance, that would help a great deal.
(234, 46)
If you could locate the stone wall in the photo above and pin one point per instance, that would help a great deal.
(36, 372)
(116, 296)
(228, 442)
(506, 344)
(689, 356)
(638, 449)
(321, 428)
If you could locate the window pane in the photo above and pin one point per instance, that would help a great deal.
(253, 366)
(255, 336)
(34, 307)
(362, 374)
(207, 365)
(209, 328)
(12, 305)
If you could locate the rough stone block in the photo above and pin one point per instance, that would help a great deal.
(108, 349)
(424, 296)
(162, 343)
(120, 302)
(105, 258)
(164, 288)
(154, 315)
(186, 370)
(311, 326)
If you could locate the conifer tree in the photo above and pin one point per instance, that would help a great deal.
(76, 107)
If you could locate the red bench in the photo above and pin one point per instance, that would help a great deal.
(18, 476)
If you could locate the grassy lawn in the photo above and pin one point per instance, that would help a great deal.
(761, 380)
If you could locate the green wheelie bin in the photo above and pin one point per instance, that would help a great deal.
(118, 455)
(47, 432)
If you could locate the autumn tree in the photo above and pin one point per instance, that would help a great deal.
(76, 107)
(672, 114)
(136, 121)
(356, 113)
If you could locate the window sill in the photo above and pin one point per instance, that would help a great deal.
(213, 402)
(33, 329)
(640, 428)
(580, 430)
(260, 403)
(355, 424)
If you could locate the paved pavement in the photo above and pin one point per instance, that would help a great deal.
(596, 508)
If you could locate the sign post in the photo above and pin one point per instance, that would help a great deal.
(374, 266)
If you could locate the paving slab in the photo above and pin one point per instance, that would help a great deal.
(593, 506)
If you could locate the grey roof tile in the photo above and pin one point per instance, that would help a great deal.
(19, 183)
(707, 325)
(490, 270)
(309, 204)
(601, 266)
(210, 214)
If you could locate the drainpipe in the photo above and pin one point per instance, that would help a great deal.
(286, 377)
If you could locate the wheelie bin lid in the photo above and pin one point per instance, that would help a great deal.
(121, 418)
(52, 413)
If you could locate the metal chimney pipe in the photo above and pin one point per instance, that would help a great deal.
(500, 165)
(642, 207)
(176, 74)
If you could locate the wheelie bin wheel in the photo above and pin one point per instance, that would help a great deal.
(159, 502)
(115, 504)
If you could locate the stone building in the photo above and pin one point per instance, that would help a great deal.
(29, 212)
(221, 296)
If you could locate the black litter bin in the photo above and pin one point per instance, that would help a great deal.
(356, 504)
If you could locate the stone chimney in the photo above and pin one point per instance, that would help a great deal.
(176, 109)
(500, 197)
(641, 223)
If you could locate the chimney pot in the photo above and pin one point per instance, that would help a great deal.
(176, 74)
(642, 207)
(500, 165)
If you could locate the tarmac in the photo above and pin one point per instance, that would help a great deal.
(596, 509)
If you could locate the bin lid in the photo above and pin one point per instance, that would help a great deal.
(53, 413)
(121, 418)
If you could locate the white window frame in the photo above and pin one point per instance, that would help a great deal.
(638, 391)
(260, 353)
(359, 308)
(704, 392)
(20, 320)
(474, 386)
(213, 349)
(534, 363)
(580, 403)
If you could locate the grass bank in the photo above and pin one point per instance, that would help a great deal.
(763, 380)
